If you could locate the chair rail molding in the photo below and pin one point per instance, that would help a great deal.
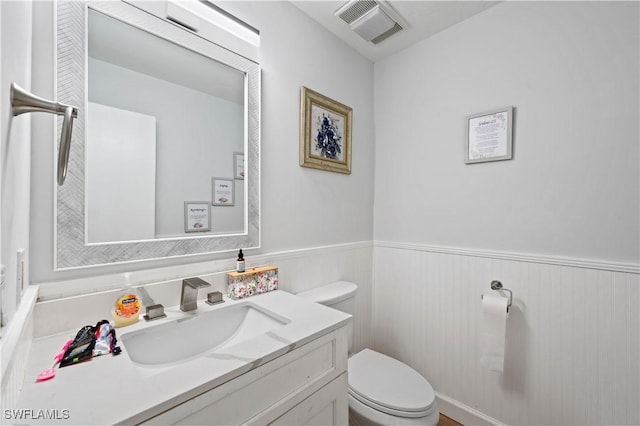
(633, 268)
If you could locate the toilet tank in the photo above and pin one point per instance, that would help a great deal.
(339, 295)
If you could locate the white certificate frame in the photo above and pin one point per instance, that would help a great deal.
(238, 165)
(489, 136)
(197, 216)
(223, 191)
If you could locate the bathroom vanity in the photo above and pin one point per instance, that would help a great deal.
(282, 361)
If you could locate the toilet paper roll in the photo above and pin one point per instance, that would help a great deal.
(493, 331)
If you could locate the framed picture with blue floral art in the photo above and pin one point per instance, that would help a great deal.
(325, 133)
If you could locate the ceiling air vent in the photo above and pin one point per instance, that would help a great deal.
(373, 20)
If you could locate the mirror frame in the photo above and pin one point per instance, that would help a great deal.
(71, 247)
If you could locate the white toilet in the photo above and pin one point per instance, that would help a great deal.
(382, 390)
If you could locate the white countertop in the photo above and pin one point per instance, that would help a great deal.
(112, 389)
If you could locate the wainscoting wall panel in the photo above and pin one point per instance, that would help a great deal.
(573, 334)
(302, 270)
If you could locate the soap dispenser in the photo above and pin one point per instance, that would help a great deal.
(127, 308)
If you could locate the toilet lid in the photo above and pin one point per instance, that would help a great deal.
(389, 385)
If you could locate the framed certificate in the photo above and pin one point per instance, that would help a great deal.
(196, 216)
(489, 136)
(238, 165)
(223, 191)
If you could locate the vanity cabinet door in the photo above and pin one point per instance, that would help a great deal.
(328, 406)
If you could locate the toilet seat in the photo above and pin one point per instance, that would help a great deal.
(389, 386)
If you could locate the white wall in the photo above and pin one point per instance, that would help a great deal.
(558, 224)
(301, 208)
(304, 207)
(15, 146)
(15, 150)
(570, 69)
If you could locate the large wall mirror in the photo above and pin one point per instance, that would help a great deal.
(165, 152)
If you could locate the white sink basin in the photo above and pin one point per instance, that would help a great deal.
(205, 332)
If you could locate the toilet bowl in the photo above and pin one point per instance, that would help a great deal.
(382, 390)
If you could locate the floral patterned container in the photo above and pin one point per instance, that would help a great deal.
(252, 281)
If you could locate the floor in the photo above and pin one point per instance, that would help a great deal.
(446, 421)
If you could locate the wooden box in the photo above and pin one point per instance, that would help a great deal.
(253, 281)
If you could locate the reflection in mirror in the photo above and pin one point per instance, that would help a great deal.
(167, 122)
(164, 112)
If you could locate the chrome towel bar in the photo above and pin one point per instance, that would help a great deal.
(23, 101)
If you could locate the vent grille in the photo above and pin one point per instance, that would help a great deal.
(364, 17)
(356, 10)
(387, 34)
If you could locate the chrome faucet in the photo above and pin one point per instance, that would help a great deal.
(189, 294)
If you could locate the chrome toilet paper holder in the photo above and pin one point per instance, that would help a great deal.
(497, 285)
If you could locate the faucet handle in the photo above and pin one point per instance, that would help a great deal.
(196, 283)
(154, 312)
(213, 298)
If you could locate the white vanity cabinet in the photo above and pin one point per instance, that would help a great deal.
(305, 386)
(292, 372)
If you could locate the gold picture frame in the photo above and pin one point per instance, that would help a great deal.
(325, 133)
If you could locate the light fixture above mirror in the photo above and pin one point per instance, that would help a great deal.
(74, 245)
